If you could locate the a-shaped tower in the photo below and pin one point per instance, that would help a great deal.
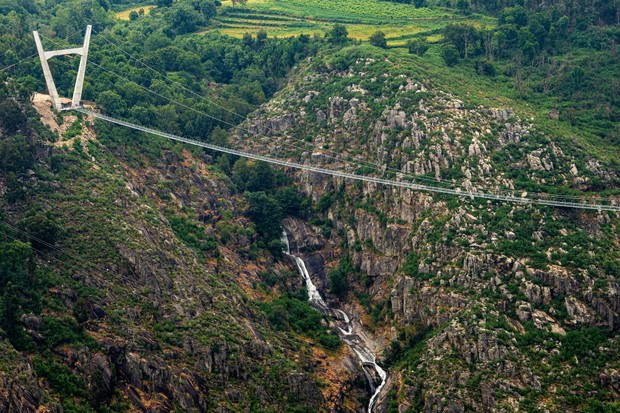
(79, 82)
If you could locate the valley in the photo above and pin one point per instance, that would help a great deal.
(311, 206)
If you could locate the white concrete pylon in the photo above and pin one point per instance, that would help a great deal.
(49, 79)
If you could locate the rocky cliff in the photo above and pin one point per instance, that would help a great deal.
(155, 291)
(488, 306)
(149, 288)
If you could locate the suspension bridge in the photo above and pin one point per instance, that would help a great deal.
(584, 203)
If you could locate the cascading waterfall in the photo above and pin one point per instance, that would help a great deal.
(349, 334)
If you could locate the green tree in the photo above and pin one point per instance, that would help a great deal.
(338, 34)
(133, 15)
(43, 230)
(208, 9)
(183, 18)
(18, 290)
(463, 6)
(11, 116)
(462, 36)
(514, 15)
(241, 173)
(247, 40)
(261, 38)
(338, 283)
(450, 55)
(377, 39)
(418, 46)
(261, 178)
(266, 214)
(292, 202)
(111, 103)
(16, 155)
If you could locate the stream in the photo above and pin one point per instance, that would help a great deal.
(349, 331)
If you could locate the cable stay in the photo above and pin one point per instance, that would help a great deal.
(434, 185)
(348, 175)
(380, 168)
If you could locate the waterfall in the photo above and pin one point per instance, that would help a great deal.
(348, 334)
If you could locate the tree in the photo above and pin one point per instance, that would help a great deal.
(247, 40)
(338, 284)
(377, 39)
(261, 37)
(338, 34)
(111, 102)
(266, 214)
(16, 154)
(133, 15)
(18, 289)
(463, 6)
(292, 202)
(241, 173)
(44, 231)
(462, 36)
(206, 7)
(183, 18)
(419, 3)
(419, 46)
(261, 178)
(450, 55)
(514, 15)
(11, 116)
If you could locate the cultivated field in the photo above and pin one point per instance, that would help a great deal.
(124, 15)
(399, 22)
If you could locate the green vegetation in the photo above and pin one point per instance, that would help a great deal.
(192, 234)
(338, 278)
(293, 312)
(84, 199)
(556, 57)
(378, 39)
(399, 22)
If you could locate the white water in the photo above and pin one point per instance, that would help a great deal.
(349, 334)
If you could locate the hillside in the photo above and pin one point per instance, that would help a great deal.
(137, 292)
(399, 22)
(139, 274)
(489, 306)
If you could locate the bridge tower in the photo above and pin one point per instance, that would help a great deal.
(79, 82)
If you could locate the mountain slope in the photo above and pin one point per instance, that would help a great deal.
(143, 284)
(489, 306)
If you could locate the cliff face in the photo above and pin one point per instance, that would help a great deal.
(153, 291)
(489, 306)
(136, 314)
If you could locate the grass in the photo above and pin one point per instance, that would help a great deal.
(124, 14)
(294, 17)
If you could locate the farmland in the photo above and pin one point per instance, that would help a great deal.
(278, 18)
(124, 15)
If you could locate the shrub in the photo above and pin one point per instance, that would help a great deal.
(294, 312)
(337, 35)
(377, 39)
(450, 55)
(419, 47)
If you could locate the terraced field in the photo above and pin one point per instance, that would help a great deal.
(399, 22)
(124, 15)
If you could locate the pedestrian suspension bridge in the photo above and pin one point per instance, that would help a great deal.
(587, 203)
